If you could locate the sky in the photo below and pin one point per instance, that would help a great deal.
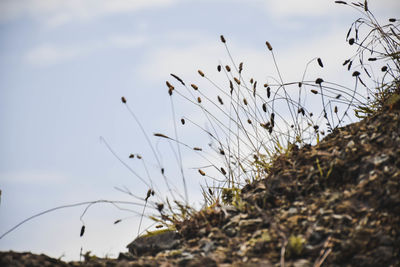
(65, 66)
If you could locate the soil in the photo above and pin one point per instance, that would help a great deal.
(333, 204)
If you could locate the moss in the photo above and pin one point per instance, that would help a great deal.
(157, 232)
(296, 244)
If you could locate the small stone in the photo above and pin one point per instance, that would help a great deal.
(302, 263)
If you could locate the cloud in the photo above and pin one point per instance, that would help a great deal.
(58, 12)
(126, 41)
(33, 176)
(48, 54)
(313, 8)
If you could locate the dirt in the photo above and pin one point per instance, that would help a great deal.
(333, 204)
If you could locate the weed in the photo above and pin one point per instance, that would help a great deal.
(249, 125)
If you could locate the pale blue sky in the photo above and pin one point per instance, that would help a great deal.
(64, 66)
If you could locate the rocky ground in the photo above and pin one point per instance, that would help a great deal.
(333, 204)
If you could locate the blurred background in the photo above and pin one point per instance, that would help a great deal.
(64, 67)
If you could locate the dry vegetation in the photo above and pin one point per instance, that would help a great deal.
(274, 189)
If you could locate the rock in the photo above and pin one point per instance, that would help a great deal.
(151, 245)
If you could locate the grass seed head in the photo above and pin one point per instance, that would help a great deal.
(183, 121)
(220, 100)
(179, 79)
(264, 107)
(123, 99)
(223, 39)
(195, 87)
(268, 45)
(223, 171)
(320, 62)
(201, 73)
(202, 172)
(228, 69)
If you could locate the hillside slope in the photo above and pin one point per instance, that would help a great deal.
(335, 204)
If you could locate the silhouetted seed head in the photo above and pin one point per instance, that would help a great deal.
(365, 6)
(197, 149)
(138, 156)
(82, 230)
(148, 194)
(131, 156)
(245, 101)
(223, 39)
(183, 121)
(159, 226)
(270, 129)
(160, 206)
(169, 85)
(194, 86)
(351, 41)
(202, 172)
(301, 110)
(264, 107)
(240, 67)
(349, 66)
(221, 151)
(336, 110)
(356, 74)
(251, 80)
(170, 91)
(162, 171)
(338, 96)
(228, 69)
(231, 85)
(272, 120)
(152, 192)
(268, 45)
(254, 85)
(268, 91)
(161, 135)
(219, 68)
(199, 99)
(123, 99)
(179, 79)
(314, 91)
(384, 68)
(201, 73)
(300, 84)
(223, 171)
(392, 20)
(117, 221)
(320, 62)
(319, 81)
(248, 121)
(220, 100)
(210, 191)
(346, 62)
(341, 2)
(316, 127)
(372, 59)
(236, 80)
(292, 126)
